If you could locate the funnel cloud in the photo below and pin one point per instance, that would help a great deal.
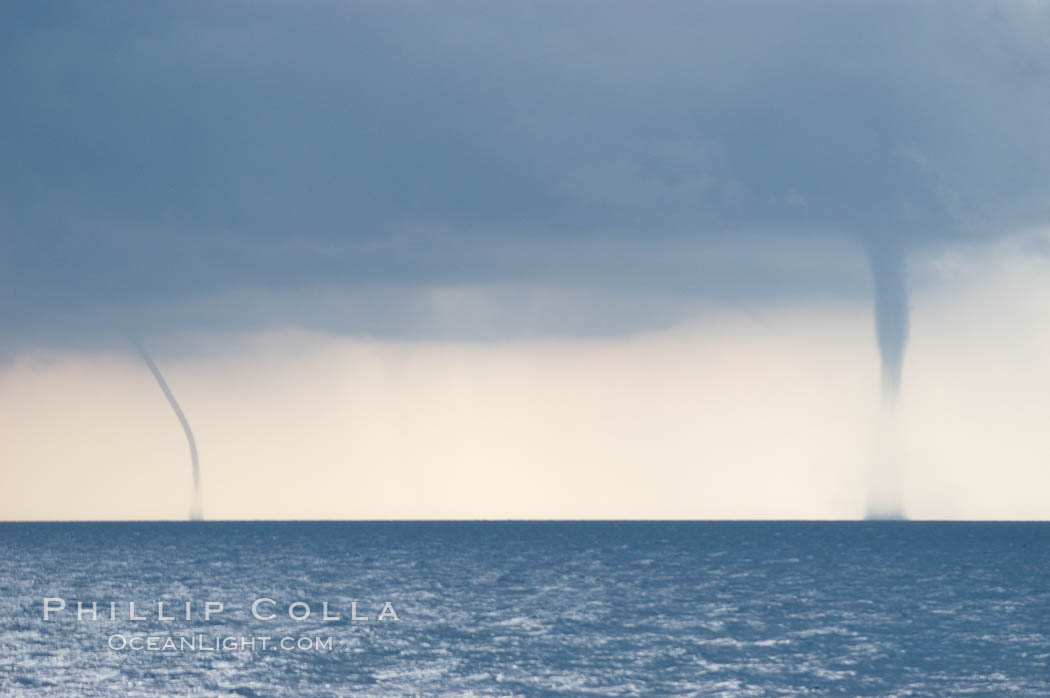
(891, 311)
(195, 509)
(891, 331)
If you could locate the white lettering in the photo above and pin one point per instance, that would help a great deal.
(50, 605)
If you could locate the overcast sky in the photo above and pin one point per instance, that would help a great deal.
(159, 153)
(496, 176)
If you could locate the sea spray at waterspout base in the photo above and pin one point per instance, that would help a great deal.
(884, 471)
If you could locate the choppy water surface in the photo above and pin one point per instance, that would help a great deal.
(533, 609)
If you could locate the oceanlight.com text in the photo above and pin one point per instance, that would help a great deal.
(217, 643)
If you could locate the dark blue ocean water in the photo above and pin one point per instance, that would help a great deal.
(531, 609)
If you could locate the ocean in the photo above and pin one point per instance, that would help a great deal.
(525, 609)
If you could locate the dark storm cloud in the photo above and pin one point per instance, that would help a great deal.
(159, 155)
